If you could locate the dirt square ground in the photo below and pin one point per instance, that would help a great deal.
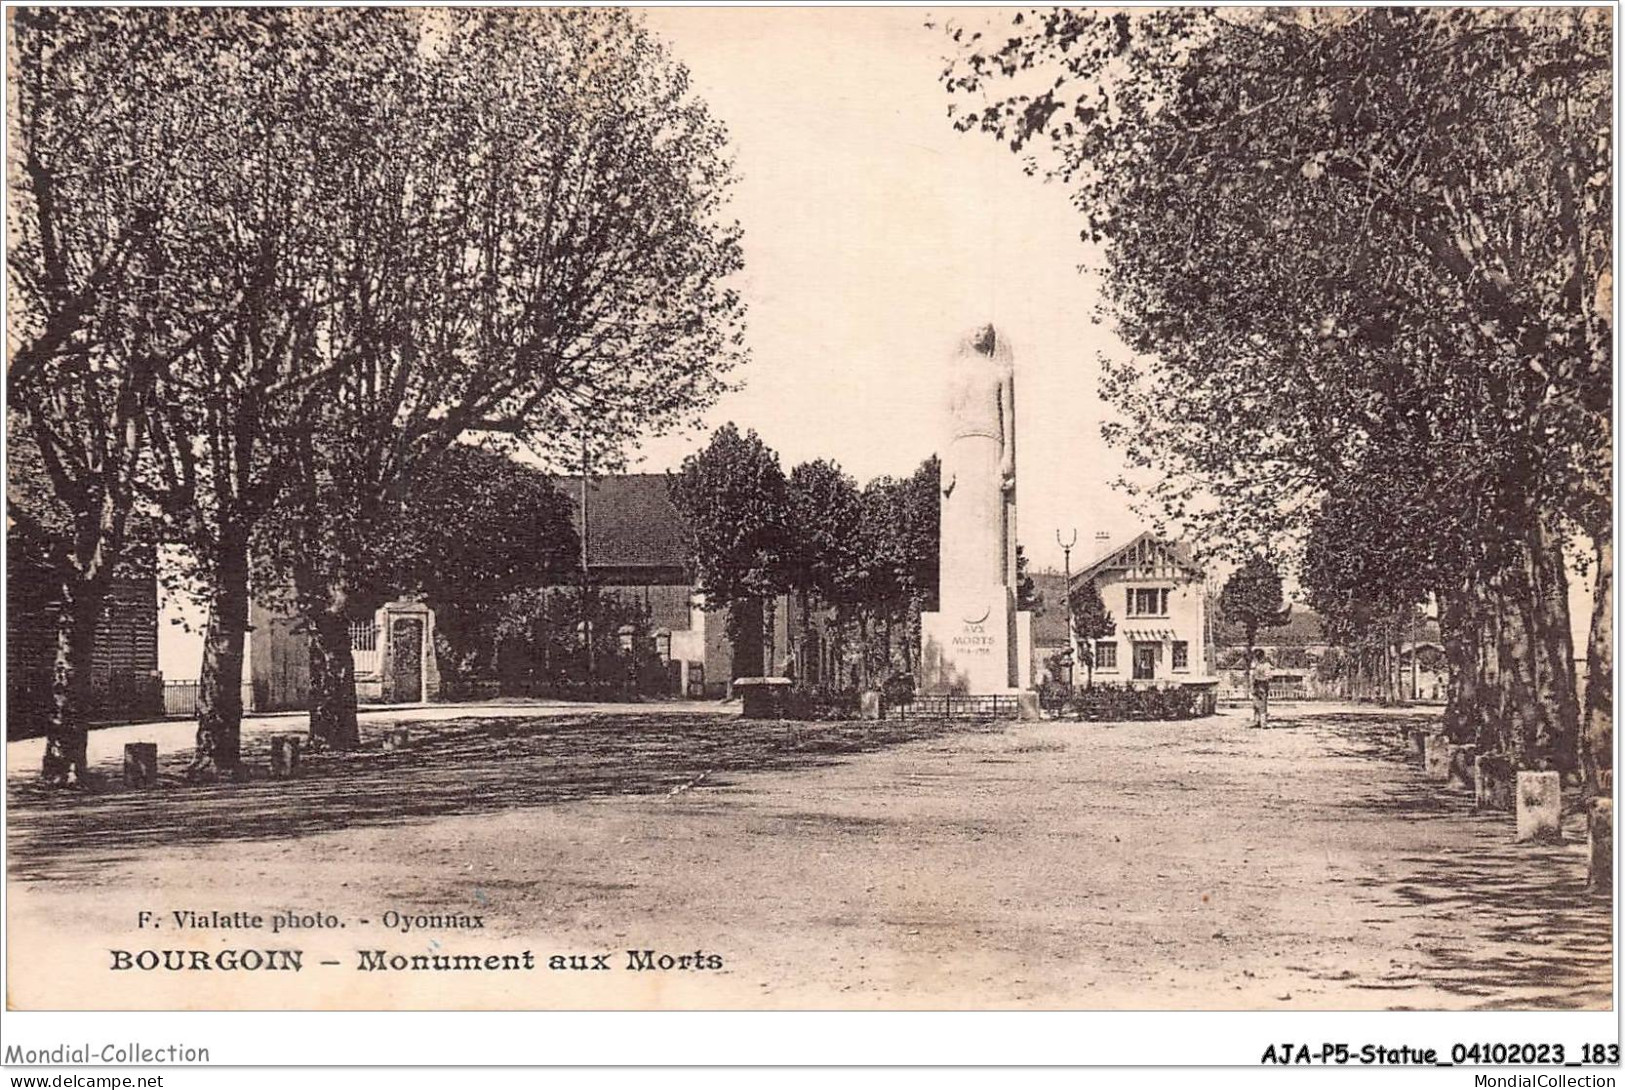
(1195, 865)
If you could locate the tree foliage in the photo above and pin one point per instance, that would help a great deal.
(736, 507)
(825, 521)
(869, 556)
(281, 260)
(1252, 599)
(476, 527)
(1028, 596)
(1091, 621)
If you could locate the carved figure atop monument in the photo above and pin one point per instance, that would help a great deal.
(979, 464)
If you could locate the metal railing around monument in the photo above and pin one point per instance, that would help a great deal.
(950, 706)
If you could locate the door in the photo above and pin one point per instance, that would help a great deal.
(406, 659)
(1145, 661)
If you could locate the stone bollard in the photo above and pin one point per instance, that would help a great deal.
(1540, 807)
(1600, 835)
(1436, 757)
(869, 704)
(1027, 706)
(285, 756)
(1461, 776)
(140, 764)
(1418, 744)
(1494, 782)
(397, 738)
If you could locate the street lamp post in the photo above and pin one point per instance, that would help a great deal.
(1066, 599)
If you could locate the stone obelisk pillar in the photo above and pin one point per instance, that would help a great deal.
(978, 643)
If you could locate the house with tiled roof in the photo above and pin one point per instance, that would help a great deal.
(635, 542)
(632, 535)
(1155, 592)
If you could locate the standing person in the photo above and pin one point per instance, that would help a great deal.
(1261, 688)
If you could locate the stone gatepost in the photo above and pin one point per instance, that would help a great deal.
(1436, 757)
(407, 670)
(1418, 737)
(1600, 846)
(285, 756)
(140, 764)
(1540, 807)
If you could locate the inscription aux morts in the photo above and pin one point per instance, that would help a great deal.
(973, 640)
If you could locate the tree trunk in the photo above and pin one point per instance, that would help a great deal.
(333, 723)
(220, 680)
(804, 673)
(839, 676)
(1461, 634)
(1597, 752)
(916, 633)
(65, 733)
(324, 606)
(1387, 669)
(745, 618)
(1251, 631)
(866, 679)
(1523, 716)
(1416, 660)
(770, 635)
(1486, 619)
(886, 631)
(1554, 650)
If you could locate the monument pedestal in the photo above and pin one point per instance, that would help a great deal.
(978, 644)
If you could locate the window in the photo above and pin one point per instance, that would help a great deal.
(1182, 655)
(1105, 654)
(1148, 602)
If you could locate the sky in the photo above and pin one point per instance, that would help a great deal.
(875, 236)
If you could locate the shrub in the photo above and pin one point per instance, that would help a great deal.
(898, 689)
(1105, 703)
(1052, 695)
(821, 702)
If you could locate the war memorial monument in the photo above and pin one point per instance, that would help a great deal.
(978, 643)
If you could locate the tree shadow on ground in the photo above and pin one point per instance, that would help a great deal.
(1513, 924)
(461, 766)
(1526, 932)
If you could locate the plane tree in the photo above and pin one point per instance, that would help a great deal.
(532, 245)
(90, 197)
